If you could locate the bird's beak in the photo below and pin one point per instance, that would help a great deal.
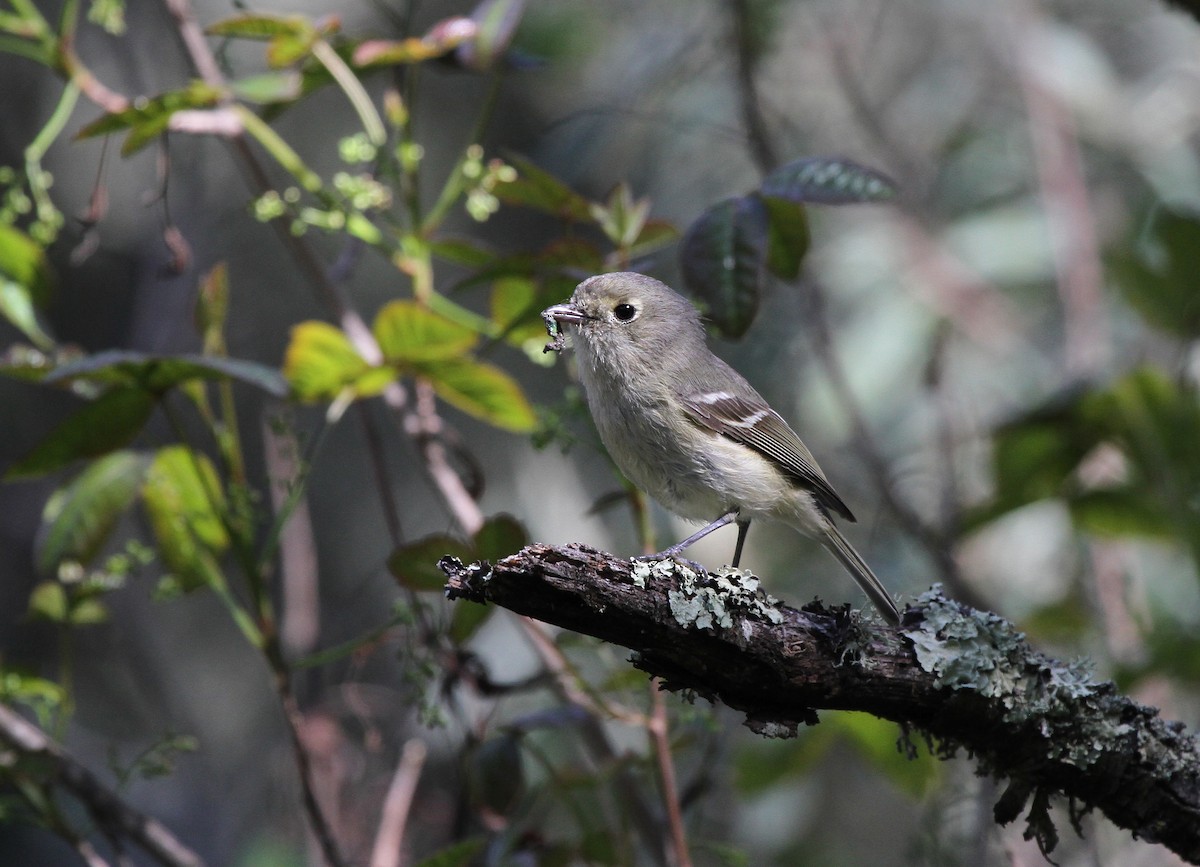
(563, 314)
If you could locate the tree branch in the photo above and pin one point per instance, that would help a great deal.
(22, 741)
(965, 677)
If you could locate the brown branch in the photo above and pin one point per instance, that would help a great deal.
(117, 818)
(964, 677)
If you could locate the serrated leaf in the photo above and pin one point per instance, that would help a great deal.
(723, 254)
(158, 373)
(787, 237)
(23, 260)
(500, 536)
(496, 22)
(1157, 272)
(181, 495)
(320, 361)
(482, 390)
(48, 601)
(828, 181)
(414, 565)
(538, 189)
(107, 423)
(410, 333)
(80, 516)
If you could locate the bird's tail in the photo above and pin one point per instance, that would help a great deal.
(862, 574)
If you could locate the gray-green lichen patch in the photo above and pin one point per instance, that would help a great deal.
(710, 600)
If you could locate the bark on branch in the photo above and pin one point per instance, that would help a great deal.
(963, 676)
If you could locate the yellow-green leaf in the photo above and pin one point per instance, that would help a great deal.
(48, 601)
(408, 332)
(321, 362)
(482, 390)
(183, 499)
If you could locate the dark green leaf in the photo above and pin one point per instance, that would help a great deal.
(499, 537)
(80, 516)
(158, 373)
(787, 237)
(723, 255)
(1158, 272)
(105, 424)
(496, 775)
(414, 565)
(408, 332)
(466, 620)
(540, 190)
(828, 181)
(455, 855)
(482, 390)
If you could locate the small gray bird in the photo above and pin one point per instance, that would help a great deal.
(688, 429)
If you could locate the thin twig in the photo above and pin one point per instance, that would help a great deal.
(661, 743)
(389, 839)
(102, 803)
(747, 56)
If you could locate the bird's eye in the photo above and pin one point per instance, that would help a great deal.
(625, 312)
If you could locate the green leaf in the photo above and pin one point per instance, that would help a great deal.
(540, 190)
(48, 601)
(158, 373)
(723, 254)
(499, 537)
(107, 423)
(23, 261)
(16, 305)
(496, 775)
(828, 181)
(515, 304)
(147, 118)
(655, 234)
(466, 620)
(183, 498)
(1124, 511)
(482, 390)
(23, 362)
(1157, 272)
(787, 237)
(320, 361)
(414, 565)
(269, 88)
(80, 516)
(260, 26)
(408, 332)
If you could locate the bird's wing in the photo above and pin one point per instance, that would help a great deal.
(756, 425)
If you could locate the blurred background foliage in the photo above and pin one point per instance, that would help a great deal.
(271, 348)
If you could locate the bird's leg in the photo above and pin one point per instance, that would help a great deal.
(743, 528)
(701, 533)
